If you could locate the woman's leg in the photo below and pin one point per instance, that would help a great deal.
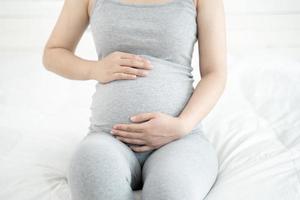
(184, 169)
(103, 167)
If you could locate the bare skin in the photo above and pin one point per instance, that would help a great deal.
(149, 130)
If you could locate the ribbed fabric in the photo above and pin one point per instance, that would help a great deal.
(164, 33)
(105, 168)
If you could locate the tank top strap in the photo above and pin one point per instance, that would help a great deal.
(188, 3)
(94, 4)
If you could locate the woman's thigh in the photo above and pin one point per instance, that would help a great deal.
(102, 167)
(182, 169)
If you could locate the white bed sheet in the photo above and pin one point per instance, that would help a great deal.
(255, 127)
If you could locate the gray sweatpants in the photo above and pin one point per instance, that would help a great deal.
(105, 168)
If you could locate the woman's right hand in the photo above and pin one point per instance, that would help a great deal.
(119, 65)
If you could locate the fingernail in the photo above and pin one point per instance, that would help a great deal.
(144, 73)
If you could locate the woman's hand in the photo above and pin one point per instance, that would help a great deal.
(154, 130)
(119, 65)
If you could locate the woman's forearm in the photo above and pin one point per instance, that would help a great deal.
(205, 96)
(66, 64)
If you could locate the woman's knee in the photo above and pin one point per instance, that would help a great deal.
(168, 184)
(97, 166)
(98, 153)
(177, 172)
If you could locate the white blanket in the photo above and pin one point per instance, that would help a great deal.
(255, 127)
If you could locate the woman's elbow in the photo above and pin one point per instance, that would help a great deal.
(46, 58)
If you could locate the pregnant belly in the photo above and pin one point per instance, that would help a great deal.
(167, 88)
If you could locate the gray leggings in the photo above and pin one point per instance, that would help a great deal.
(104, 168)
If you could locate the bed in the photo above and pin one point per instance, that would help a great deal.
(255, 128)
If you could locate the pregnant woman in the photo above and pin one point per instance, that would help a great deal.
(145, 128)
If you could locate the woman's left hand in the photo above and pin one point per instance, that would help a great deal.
(154, 130)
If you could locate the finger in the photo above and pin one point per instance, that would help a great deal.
(140, 148)
(134, 71)
(130, 56)
(143, 117)
(124, 55)
(131, 141)
(130, 127)
(122, 76)
(126, 134)
(143, 64)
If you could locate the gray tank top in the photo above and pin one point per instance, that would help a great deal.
(164, 33)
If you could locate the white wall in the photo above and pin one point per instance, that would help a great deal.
(263, 23)
(25, 24)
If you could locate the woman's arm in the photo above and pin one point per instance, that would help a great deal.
(213, 63)
(59, 54)
(59, 51)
